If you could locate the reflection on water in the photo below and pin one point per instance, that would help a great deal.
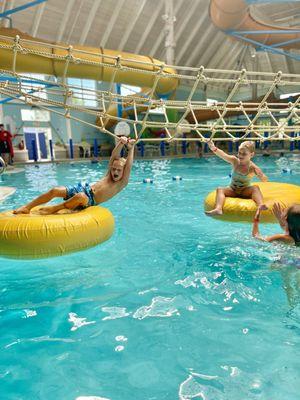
(174, 305)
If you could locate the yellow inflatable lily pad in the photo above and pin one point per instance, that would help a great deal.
(36, 236)
(243, 210)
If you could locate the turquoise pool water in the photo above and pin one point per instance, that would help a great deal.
(174, 306)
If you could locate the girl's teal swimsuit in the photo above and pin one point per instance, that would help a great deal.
(81, 187)
(240, 181)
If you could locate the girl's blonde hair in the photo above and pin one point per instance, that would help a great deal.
(250, 146)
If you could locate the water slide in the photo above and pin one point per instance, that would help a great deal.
(47, 65)
(237, 15)
(226, 15)
(206, 115)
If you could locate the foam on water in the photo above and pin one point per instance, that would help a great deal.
(174, 306)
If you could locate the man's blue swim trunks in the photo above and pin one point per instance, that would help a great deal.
(81, 187)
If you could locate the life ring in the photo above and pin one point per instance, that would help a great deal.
(242, 210)
(38, 236)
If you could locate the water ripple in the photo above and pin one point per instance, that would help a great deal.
(159, 307)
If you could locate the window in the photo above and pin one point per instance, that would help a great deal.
(157, 110)
(83, 92)
(33, 83)
(287, 95)
(128, 90)
(211, 102)
(35, 115)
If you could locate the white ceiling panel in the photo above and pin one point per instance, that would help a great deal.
(138, 25)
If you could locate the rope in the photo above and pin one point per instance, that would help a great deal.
(219, 127)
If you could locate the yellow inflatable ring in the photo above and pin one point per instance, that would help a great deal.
(36, 236)
(242, 210)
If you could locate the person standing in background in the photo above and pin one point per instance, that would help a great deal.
(6, 146)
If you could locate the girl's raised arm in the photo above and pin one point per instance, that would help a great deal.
(220, 153)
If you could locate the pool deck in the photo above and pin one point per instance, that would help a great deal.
(276, 152)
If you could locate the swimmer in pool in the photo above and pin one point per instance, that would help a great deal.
(243, 171)
(287, 263)
(289, 220)
(83, 195)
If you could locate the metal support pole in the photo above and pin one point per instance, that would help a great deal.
(50, 140)
(69, 133)
(199, 148)
(34, 150)
(95, 148)
(119, 110)
(206, 145)
(184, 145)
(255, 68)
(69, 129)
(266, 143)
(169, 18)
(237, 143)
(292, 144)
(51, 149)
(162, 147)
(142, 148)
(71, 148)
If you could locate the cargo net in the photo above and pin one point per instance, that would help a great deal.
(233, 119)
